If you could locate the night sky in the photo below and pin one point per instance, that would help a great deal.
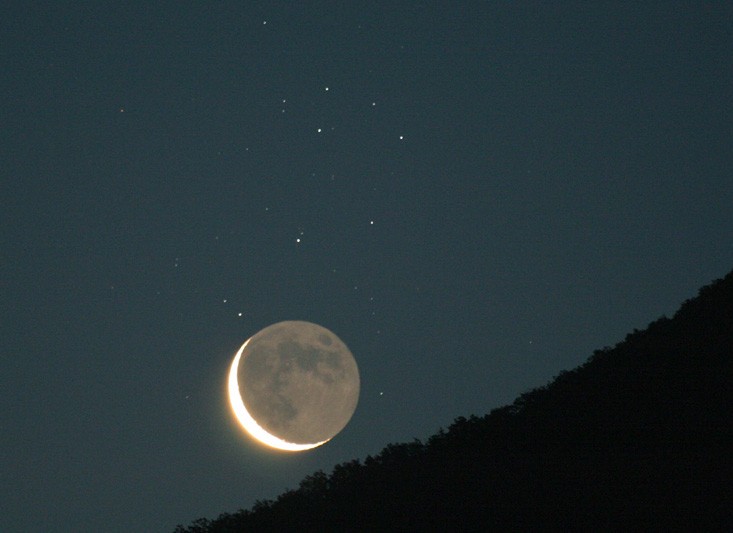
(473, 196)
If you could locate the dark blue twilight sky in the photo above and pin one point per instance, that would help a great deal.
(473, 195)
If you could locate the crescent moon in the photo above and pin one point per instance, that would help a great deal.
(249, 423)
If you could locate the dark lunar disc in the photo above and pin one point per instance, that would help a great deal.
(298, 381)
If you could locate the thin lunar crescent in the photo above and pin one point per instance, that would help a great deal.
(249, 423)
(293, 386)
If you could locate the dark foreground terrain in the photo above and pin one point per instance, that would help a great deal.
(637, 438)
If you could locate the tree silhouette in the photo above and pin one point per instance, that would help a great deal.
(638, 437)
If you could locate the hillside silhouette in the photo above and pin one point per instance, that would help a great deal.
(636, 438)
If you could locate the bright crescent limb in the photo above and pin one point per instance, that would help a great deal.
(249, 423)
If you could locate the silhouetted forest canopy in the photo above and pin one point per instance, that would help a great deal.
(636, 438)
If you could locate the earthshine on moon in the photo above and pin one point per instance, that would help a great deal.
(294, 385)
